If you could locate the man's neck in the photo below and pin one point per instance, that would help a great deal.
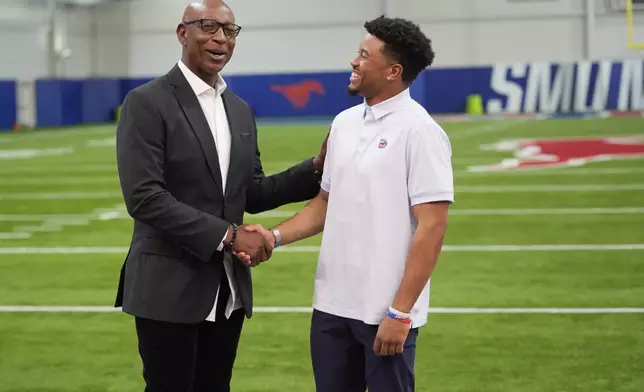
(209, 79)
(384, 95)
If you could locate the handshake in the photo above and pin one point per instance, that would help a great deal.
(254, 244)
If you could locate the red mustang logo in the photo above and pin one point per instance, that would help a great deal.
(543, 153)
(298, 94)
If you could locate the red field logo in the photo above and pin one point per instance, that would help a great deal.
(543, 153)
(299, 94)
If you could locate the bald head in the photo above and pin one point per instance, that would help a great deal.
(198, 8)
(207, 34)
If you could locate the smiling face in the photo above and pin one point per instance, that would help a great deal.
(207, 35)
(372, 71)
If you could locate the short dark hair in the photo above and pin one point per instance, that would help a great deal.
(404, 42)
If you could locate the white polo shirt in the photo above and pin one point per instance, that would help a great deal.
(381, 160)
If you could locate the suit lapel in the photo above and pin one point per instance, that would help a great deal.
(192, 109)
(235, 139)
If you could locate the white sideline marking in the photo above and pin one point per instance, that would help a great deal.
(33, 153)
(60, 196)
(303, 309)
(315, 249)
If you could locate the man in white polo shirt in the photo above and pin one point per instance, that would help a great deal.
(386, 187)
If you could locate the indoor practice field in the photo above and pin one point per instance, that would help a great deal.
(540, 286)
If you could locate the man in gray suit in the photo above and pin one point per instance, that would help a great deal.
(189, 168)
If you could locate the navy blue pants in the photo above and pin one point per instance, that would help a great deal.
(344, 361)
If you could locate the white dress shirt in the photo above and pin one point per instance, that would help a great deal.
(381, 160)
(213, 108)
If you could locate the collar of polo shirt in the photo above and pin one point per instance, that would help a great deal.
(380, 110)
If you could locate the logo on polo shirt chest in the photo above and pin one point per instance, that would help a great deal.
(382, 143)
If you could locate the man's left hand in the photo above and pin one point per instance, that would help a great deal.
(391, 337)
(318, 160)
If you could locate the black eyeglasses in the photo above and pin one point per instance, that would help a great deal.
(211, 26)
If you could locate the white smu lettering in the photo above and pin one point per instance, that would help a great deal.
(565, 88)
(538, 89)
(631, 82)
(502, 86)
(598, 91)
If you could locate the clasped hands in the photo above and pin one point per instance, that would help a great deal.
(254, 244)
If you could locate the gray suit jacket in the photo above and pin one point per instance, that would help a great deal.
(171, 182)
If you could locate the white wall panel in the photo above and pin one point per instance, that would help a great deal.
(24, 41)
(251, 14)
(153, 54)
(138, 37)
(79, 40)
(466, 32)
(277, 36)
(610, 37)
(485, 9)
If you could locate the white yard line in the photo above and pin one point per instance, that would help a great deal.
(118, 213)
(108, 142)
(52, 223)
(112, 180)
(21, 235)
(38, 217)
(79, 250)
(276, 165)
(548, 188)
(495, 126)
(304, 309)
(490, 211)
(61, 196)
(55, 134)
(100, 179)
(461, 189)
(549, 211)
(14, 154)
(315, 249)
(565, 171)
(474, 161)
(57, 168)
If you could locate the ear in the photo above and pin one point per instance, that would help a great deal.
(181, 34)
(396, 72)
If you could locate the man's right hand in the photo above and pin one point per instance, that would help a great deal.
(269, 242)
(252, 245)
